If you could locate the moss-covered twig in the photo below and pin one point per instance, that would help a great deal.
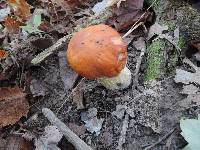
(96, 19)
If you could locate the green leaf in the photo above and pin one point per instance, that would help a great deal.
(30, 29)
(34, 23)
(191, 133)
(37, 20)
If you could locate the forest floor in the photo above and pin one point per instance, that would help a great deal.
(146, 115)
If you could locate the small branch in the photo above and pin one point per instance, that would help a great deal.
(122, 138)
(187, 61)
(96, 19)
(160, 140)
(70, 135)
(138, 65)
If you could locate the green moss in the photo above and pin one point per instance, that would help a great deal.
(171, 25)
(172, 14)
(154, 61)
(172, 63)
(182, 42)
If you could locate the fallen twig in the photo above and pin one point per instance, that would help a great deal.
(138, 65)
(70, 135)
(160, 140)
(96, 19)
(122, 138)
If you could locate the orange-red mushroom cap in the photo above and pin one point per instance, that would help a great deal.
(97, 51)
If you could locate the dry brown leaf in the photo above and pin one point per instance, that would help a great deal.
(45, 26)
(3, 54)
(13, 105)
(2, 77)
(195, 45)
(193, 49)
(75, 3)
(78, 96)
(78, 130)
(12, 25)
(68, 76)
(21, 8)
(18, 143)
(128, 13)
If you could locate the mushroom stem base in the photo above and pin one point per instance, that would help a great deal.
(120, 81)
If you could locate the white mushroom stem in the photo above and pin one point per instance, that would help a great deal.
(121, 81)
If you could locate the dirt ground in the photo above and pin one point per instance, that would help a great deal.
(155, 109)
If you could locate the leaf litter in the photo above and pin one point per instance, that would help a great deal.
(21, 9)
(49, 139)
(13, 105)
(92, 123)
(15, 142)
(128, 13)
(186, 77)
(68, 76)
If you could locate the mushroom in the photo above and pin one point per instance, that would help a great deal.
(98, 52)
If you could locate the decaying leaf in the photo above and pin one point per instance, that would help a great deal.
(186, 77)
(3, 54)
(113, 2)
(101, 6)
(49, 139)
(12, 25)
(156, 29)
(128, 13)
(37, 88)
(13, 105)
(190, 101)
(190, 89)
(2, 141)
(92, 124)
(4, 12)
(120, 110)
(78, 96)
(68, 76)
(107, 138)
(79, 130)
(191, 133)
(69, 4)
(21, 8)
(18, 143)
(196, 45)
